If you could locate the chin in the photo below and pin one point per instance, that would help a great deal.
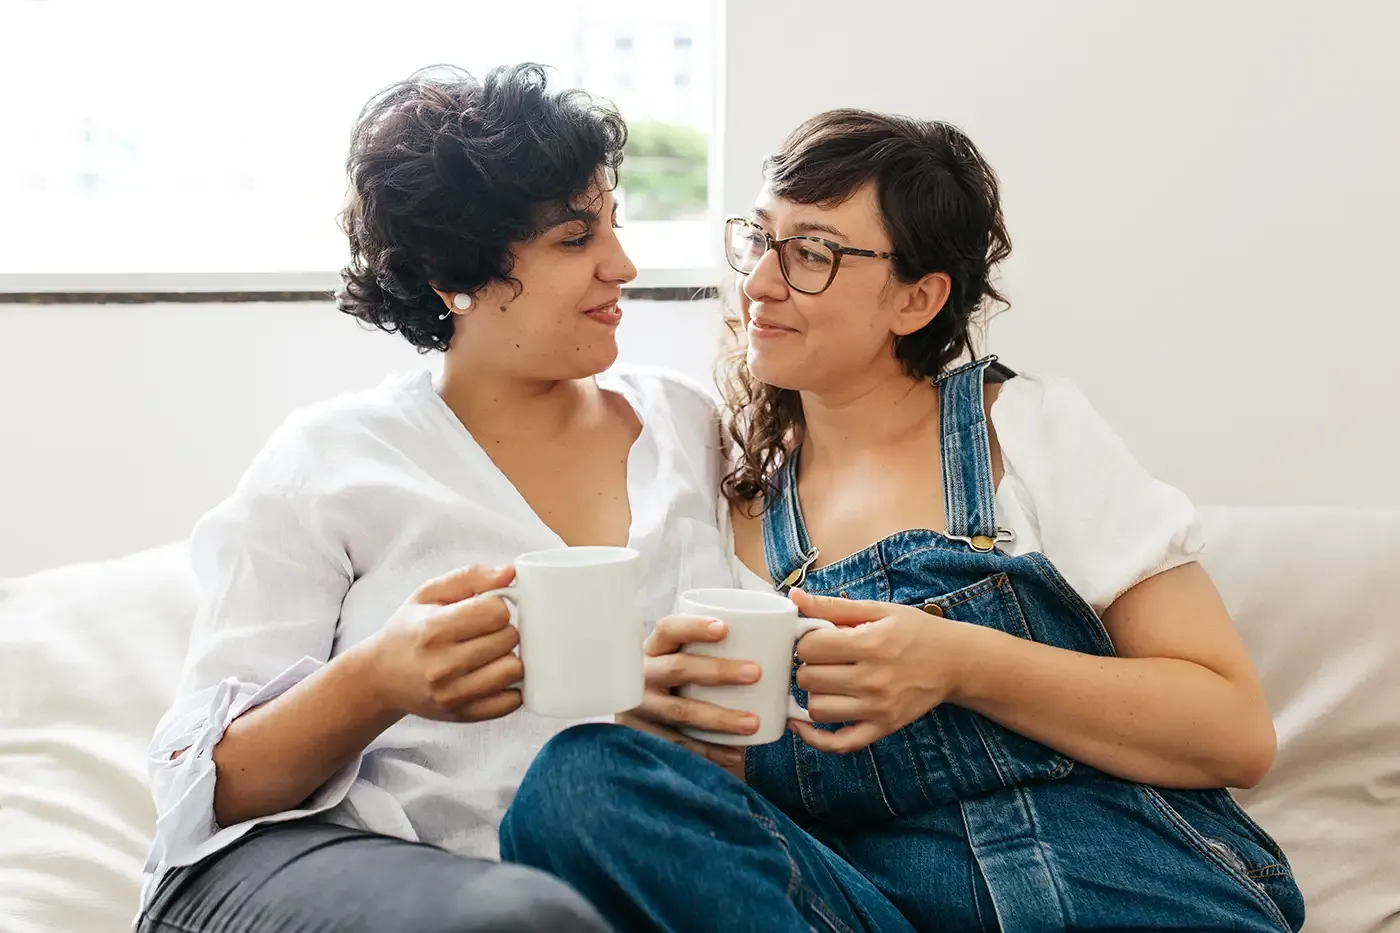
(770, 369)
(590, 361)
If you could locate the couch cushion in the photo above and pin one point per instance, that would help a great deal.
(1316, 595)
(89, 659)
(90, 654)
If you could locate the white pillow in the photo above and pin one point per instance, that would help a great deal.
(89, 659)
(1316, 596)
(90, 655)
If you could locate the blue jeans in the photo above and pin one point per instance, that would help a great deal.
(952, 823)
(660, 839)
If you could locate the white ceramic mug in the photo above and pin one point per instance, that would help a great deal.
(763, 628)
(581, 630)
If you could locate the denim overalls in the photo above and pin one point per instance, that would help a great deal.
(966, 825)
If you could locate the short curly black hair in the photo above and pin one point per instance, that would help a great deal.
(447, 172)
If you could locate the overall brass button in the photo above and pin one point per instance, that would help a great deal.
(982, 543)
(933, 609)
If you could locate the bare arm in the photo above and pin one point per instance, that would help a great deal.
(1179, 707)
(276, 755)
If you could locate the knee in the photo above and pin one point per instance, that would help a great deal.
(517, 899)
(590, 779)
(565, 782)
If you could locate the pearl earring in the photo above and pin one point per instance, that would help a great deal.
(461, 301)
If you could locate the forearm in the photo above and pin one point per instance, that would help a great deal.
(1160, 721)
(275, 756)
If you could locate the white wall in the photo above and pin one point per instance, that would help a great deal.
(120, 425)
(1203, 198)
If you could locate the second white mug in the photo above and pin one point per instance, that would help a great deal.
(763, 628)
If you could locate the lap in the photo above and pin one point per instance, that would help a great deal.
(647, 829)
(322, 878)
(1087, 853)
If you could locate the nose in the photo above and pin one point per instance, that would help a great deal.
(615, 265)
(766, 282)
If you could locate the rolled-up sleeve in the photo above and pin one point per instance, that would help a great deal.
(271, 587)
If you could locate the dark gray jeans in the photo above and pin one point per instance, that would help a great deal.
(306, 877)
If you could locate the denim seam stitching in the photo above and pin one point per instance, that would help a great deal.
(1058, 583)
(1189, 833)
(794, 874)
(994, 757)
(795, 884)
(1012, 606)
(970, 592)
(914, 761)
(826, 589)
(823, 910)
(981, 467)
(952, 759)
(1261, 837)
(879, 782)
(804, 786)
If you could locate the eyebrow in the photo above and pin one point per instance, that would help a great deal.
(568, 214)
(803, 226)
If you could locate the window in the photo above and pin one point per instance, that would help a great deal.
(204, 139)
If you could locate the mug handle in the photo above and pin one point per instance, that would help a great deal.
(804, 627)
(511, 595)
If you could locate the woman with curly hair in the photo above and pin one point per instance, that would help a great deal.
(347, 732)
(1034, 697)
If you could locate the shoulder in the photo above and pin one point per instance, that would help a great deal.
(1101, 516)
(1047, 400)
(1042, 420)
(1051, 436)
(320, 440)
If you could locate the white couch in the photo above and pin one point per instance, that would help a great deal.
(89, 655)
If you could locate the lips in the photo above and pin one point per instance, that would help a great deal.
(607, 313)
(766, 328)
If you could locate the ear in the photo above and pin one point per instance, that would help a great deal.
(445, 296)
(920, 302)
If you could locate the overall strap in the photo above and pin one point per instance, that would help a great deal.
(968, 490)
(785, 544)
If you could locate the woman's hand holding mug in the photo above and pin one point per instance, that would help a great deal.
(669, 667)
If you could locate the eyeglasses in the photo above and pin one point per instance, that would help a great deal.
(808, 263)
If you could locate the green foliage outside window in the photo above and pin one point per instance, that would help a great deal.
(664, 173)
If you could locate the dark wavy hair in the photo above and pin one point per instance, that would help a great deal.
(447, 172)
(941, 206)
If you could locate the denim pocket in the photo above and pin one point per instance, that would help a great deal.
(957, 753)
(1223, 835)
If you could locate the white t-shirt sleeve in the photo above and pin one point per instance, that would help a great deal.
(271, 587)
(1102, 520)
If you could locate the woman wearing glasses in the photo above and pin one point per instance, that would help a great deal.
(1035, 694)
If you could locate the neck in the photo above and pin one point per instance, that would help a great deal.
(492, 403)
(867, 418)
